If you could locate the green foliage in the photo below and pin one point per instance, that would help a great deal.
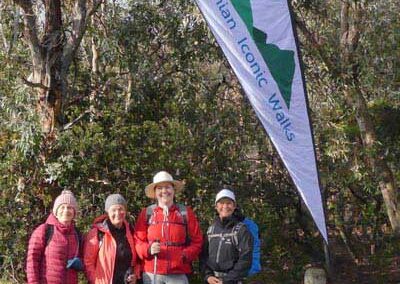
(165, 98)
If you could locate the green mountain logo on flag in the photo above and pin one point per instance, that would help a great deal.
(280, 62)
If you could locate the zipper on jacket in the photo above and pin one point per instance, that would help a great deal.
(219, 249)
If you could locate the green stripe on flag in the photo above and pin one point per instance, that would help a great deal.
(280, 62)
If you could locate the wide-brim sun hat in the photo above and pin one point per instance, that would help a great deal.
(225, 193)
(161, 177)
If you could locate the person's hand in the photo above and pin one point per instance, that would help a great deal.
(155, 248)
(131, 279)
(213, 280)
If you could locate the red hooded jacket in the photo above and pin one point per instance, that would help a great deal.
(99, 261)
(175, 256)
(47, 263)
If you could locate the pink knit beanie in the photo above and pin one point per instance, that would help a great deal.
(66, 197)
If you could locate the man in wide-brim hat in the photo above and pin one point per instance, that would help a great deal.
(168, 236)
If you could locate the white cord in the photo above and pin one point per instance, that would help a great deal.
(165, 213)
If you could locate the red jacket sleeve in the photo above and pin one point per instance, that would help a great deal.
(36, 250)
(140, 236)
(192, 251)
(90, 254)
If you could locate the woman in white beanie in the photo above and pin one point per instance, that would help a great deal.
(53, 251)
(228, 247)
(109, 253)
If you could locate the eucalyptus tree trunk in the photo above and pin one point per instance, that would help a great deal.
(347, 72)
(376, 158)
(52, 53)
(351, 13)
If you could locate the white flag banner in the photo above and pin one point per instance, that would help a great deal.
(258, 40)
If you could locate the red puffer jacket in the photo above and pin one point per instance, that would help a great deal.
(175, 256)
(47, 264)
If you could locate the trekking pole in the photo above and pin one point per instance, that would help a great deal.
(165, 213)
(155, 265)
(155, 269)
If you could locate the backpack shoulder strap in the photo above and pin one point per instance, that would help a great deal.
(237, 227)
(235, 232)
(78, 234)
(183, 210)
(210, 232)
(48, 233)
(149, 212)
(79, 237)
(100, 237)
(100, 233)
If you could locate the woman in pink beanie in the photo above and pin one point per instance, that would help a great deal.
(54, 247)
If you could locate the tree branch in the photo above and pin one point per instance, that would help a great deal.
(3, 36)
(316, 43)
(35, 85)
(75, 121)
(79, 25)
(15, 30)
(78, 29)
(95, 6)
(30, 28)
(353, 191)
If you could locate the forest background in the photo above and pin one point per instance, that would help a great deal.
(97, 96)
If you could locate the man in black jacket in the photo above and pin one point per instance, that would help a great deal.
(228, 248)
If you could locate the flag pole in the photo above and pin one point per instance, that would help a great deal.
(325, 244)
